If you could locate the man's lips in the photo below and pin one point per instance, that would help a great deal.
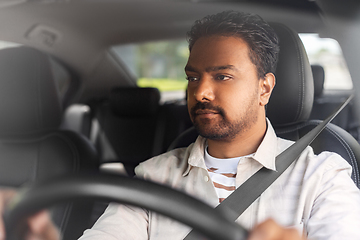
(205, 112)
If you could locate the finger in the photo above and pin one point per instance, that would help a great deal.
(41, 227)
(265, 231)
(38, 222)
(5, 196)
(270, 230)
(2, 228)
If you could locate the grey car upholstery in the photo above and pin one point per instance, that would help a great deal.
(134, 126)
(319, 79)
(291, 104)
(131, 126)
(32, 147)
(326, 100)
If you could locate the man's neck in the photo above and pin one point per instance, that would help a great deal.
(243, 144)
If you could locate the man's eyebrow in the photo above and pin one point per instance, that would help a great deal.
(217, 68)
(189, 68)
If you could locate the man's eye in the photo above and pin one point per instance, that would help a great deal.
(222, 77)
(191, 79)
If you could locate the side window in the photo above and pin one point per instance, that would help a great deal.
(157, 64)
(161, 64)
(327, 53)
(4, 44)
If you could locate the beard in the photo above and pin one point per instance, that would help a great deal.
(223, 128)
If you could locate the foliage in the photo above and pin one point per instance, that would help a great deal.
(165, 59)
(163, 84)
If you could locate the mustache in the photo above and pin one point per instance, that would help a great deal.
(206, 106)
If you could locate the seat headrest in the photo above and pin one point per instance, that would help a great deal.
(29, 100)
(292, 98)
(134, 102)
(319, 79)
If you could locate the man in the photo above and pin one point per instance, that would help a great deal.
(231, 76)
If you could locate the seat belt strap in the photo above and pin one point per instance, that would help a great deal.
(239, 200)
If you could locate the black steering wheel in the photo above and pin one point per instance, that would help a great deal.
(212, 223)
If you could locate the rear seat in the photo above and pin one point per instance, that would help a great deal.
(77, 118)
(326, 101)
(130, 126)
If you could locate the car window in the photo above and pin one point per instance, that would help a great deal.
(158, 64)
(161, 64)
(327, 53)
(5, 44)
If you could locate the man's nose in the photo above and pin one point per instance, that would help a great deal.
(204, 91)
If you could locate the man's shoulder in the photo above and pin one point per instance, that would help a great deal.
(329, 161)
(171, 157)
(161, 166)
(325, 160)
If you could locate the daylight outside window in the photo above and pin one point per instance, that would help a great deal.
(4, 44)
(327, 53)
(161, 64)
(158, 64)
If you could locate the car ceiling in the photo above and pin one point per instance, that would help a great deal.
(80, 32)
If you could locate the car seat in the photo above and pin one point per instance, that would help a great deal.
(131, 127)
(291, 102)
(77, 118)
(326, 100)
(32, 145)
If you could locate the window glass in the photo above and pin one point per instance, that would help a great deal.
(161, 64)
(4, 44)
(158, 64)
(327, 53)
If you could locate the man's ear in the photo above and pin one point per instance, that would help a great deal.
(266, 85)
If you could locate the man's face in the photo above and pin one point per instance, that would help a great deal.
(223, 89)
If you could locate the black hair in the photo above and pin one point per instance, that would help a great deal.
(257, 33)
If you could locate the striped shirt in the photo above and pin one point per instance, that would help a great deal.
(222, 173)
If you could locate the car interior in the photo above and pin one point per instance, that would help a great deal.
(70, 105)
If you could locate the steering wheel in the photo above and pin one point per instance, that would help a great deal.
(211, 222)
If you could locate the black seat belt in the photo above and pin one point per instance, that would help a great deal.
(239, 200)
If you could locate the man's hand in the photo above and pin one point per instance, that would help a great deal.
(39, 226)
(6, 195)
(270, 230)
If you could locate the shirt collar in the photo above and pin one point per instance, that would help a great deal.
(196, 156)
(267, 150)
(265, 154)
